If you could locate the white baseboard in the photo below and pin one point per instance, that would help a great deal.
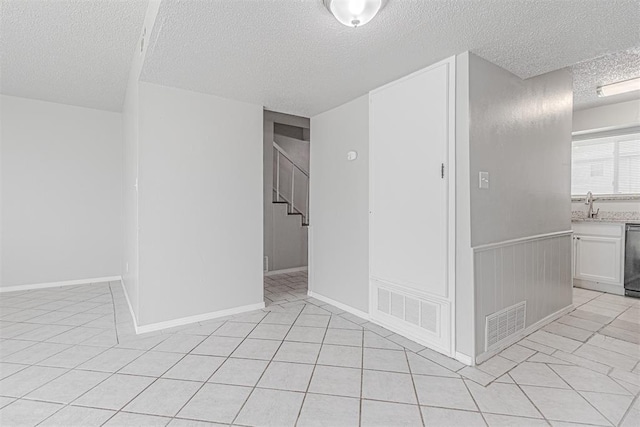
(59, 284)
(597, 286)
(197, 318)
(340, 305)
(286, 270)
(523, 333)
(463, 358)
(152, 327)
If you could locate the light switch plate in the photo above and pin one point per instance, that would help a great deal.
(484, 180)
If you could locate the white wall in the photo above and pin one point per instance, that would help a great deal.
(129, 261)
(61, 192)
(200, 204)
(464, 304)
(623, 114)
(339, 234)
(130, 264)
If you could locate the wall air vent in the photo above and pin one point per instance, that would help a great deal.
(503, 324)
(423, 314)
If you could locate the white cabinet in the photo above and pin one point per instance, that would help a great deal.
(598, 254)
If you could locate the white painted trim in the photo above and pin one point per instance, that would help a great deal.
(599, 286)
(152, 327)
(59, 284)
(463, 358)
(520, 240)
(451, 199)
(197, 318)
(341, 306)
(286, 270)
(523, 333)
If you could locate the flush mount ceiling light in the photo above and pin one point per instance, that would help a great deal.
(353, 13)
(619, 87)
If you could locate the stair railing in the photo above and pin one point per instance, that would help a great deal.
(286, 170)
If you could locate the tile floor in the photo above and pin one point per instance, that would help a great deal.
(69, 357)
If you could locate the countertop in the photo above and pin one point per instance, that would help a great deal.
(605, 220)
(607, 216)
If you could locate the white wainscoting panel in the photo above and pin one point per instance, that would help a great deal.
(535, 270)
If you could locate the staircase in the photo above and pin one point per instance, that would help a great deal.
(290, 185)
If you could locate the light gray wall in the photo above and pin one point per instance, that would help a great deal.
(267, 190)
(289, 240)
(464, 254)
(200, 204)
(623, 114)
(130, 262)
(131, 126)
(61, 192)
(520, 132)
(339, 234)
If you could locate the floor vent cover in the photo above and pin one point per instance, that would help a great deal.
(504, 323)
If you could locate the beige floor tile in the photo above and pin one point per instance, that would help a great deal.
(564, 405)
(271, 408)
(319, 411)
(385, 414)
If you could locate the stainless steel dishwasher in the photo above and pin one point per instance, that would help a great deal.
(632, 261)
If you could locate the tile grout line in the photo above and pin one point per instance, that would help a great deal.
(326, 329)
(112, 374)
(156, 379)
(415, 390)
(266, 367)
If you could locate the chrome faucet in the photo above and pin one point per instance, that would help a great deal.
(589, 202)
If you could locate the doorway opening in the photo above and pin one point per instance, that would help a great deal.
(286, 206)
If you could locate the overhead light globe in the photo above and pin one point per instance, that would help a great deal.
(353, 13)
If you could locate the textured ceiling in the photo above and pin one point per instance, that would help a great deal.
(588, 75)
(72, 52)
(294, 57)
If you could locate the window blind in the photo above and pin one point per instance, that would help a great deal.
(608, 165)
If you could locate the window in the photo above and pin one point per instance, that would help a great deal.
(609, 165)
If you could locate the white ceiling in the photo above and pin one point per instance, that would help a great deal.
(293, 56)
(588, 75)
(71, 52)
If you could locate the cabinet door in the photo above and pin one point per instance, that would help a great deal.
(598, 259)
(409, 146)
